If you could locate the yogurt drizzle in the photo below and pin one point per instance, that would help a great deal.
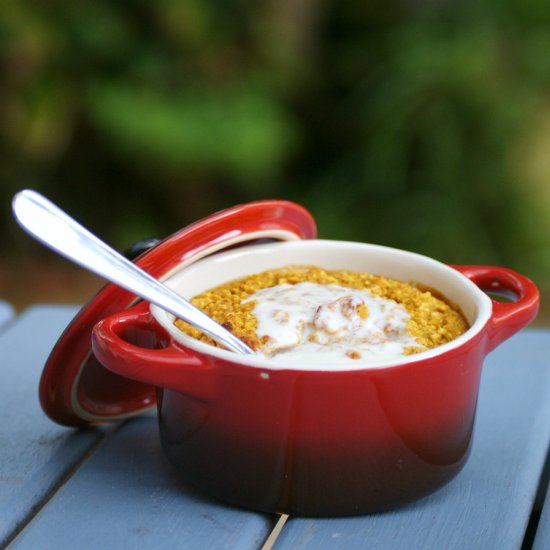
(314, 323)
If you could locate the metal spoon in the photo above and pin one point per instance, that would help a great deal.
(57, 230)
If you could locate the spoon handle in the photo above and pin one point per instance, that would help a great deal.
(57, 230)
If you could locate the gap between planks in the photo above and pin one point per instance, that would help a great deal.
(35, 510)
(538, 504)
(276, 531)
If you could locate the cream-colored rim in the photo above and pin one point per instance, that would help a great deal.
(229, 265)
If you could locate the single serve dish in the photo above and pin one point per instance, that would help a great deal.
(384, 415)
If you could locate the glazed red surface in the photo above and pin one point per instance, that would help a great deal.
(507, 318)
(325, 443)
(75, 389)
(315, 442)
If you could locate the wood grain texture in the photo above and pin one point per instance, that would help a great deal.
(127, 495)
(35, 453)
(114, 488)
(489, 503)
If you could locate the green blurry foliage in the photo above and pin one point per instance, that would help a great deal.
(412, 124)
(243, 132)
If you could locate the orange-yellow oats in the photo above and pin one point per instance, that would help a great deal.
(433, 320)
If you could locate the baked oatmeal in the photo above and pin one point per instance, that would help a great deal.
(300, 311)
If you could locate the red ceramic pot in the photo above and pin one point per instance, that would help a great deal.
(317, 441)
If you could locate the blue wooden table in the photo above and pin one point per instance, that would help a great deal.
(112, 487)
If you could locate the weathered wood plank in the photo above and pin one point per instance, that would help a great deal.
(35, 453)
(127, 495)
(489, 503)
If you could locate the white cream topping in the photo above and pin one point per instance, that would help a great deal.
(314, 323)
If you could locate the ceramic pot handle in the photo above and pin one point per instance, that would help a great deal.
(508, 317)
(132, 344)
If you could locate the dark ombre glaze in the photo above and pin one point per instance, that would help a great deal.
(325, 443)
(318, 441)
